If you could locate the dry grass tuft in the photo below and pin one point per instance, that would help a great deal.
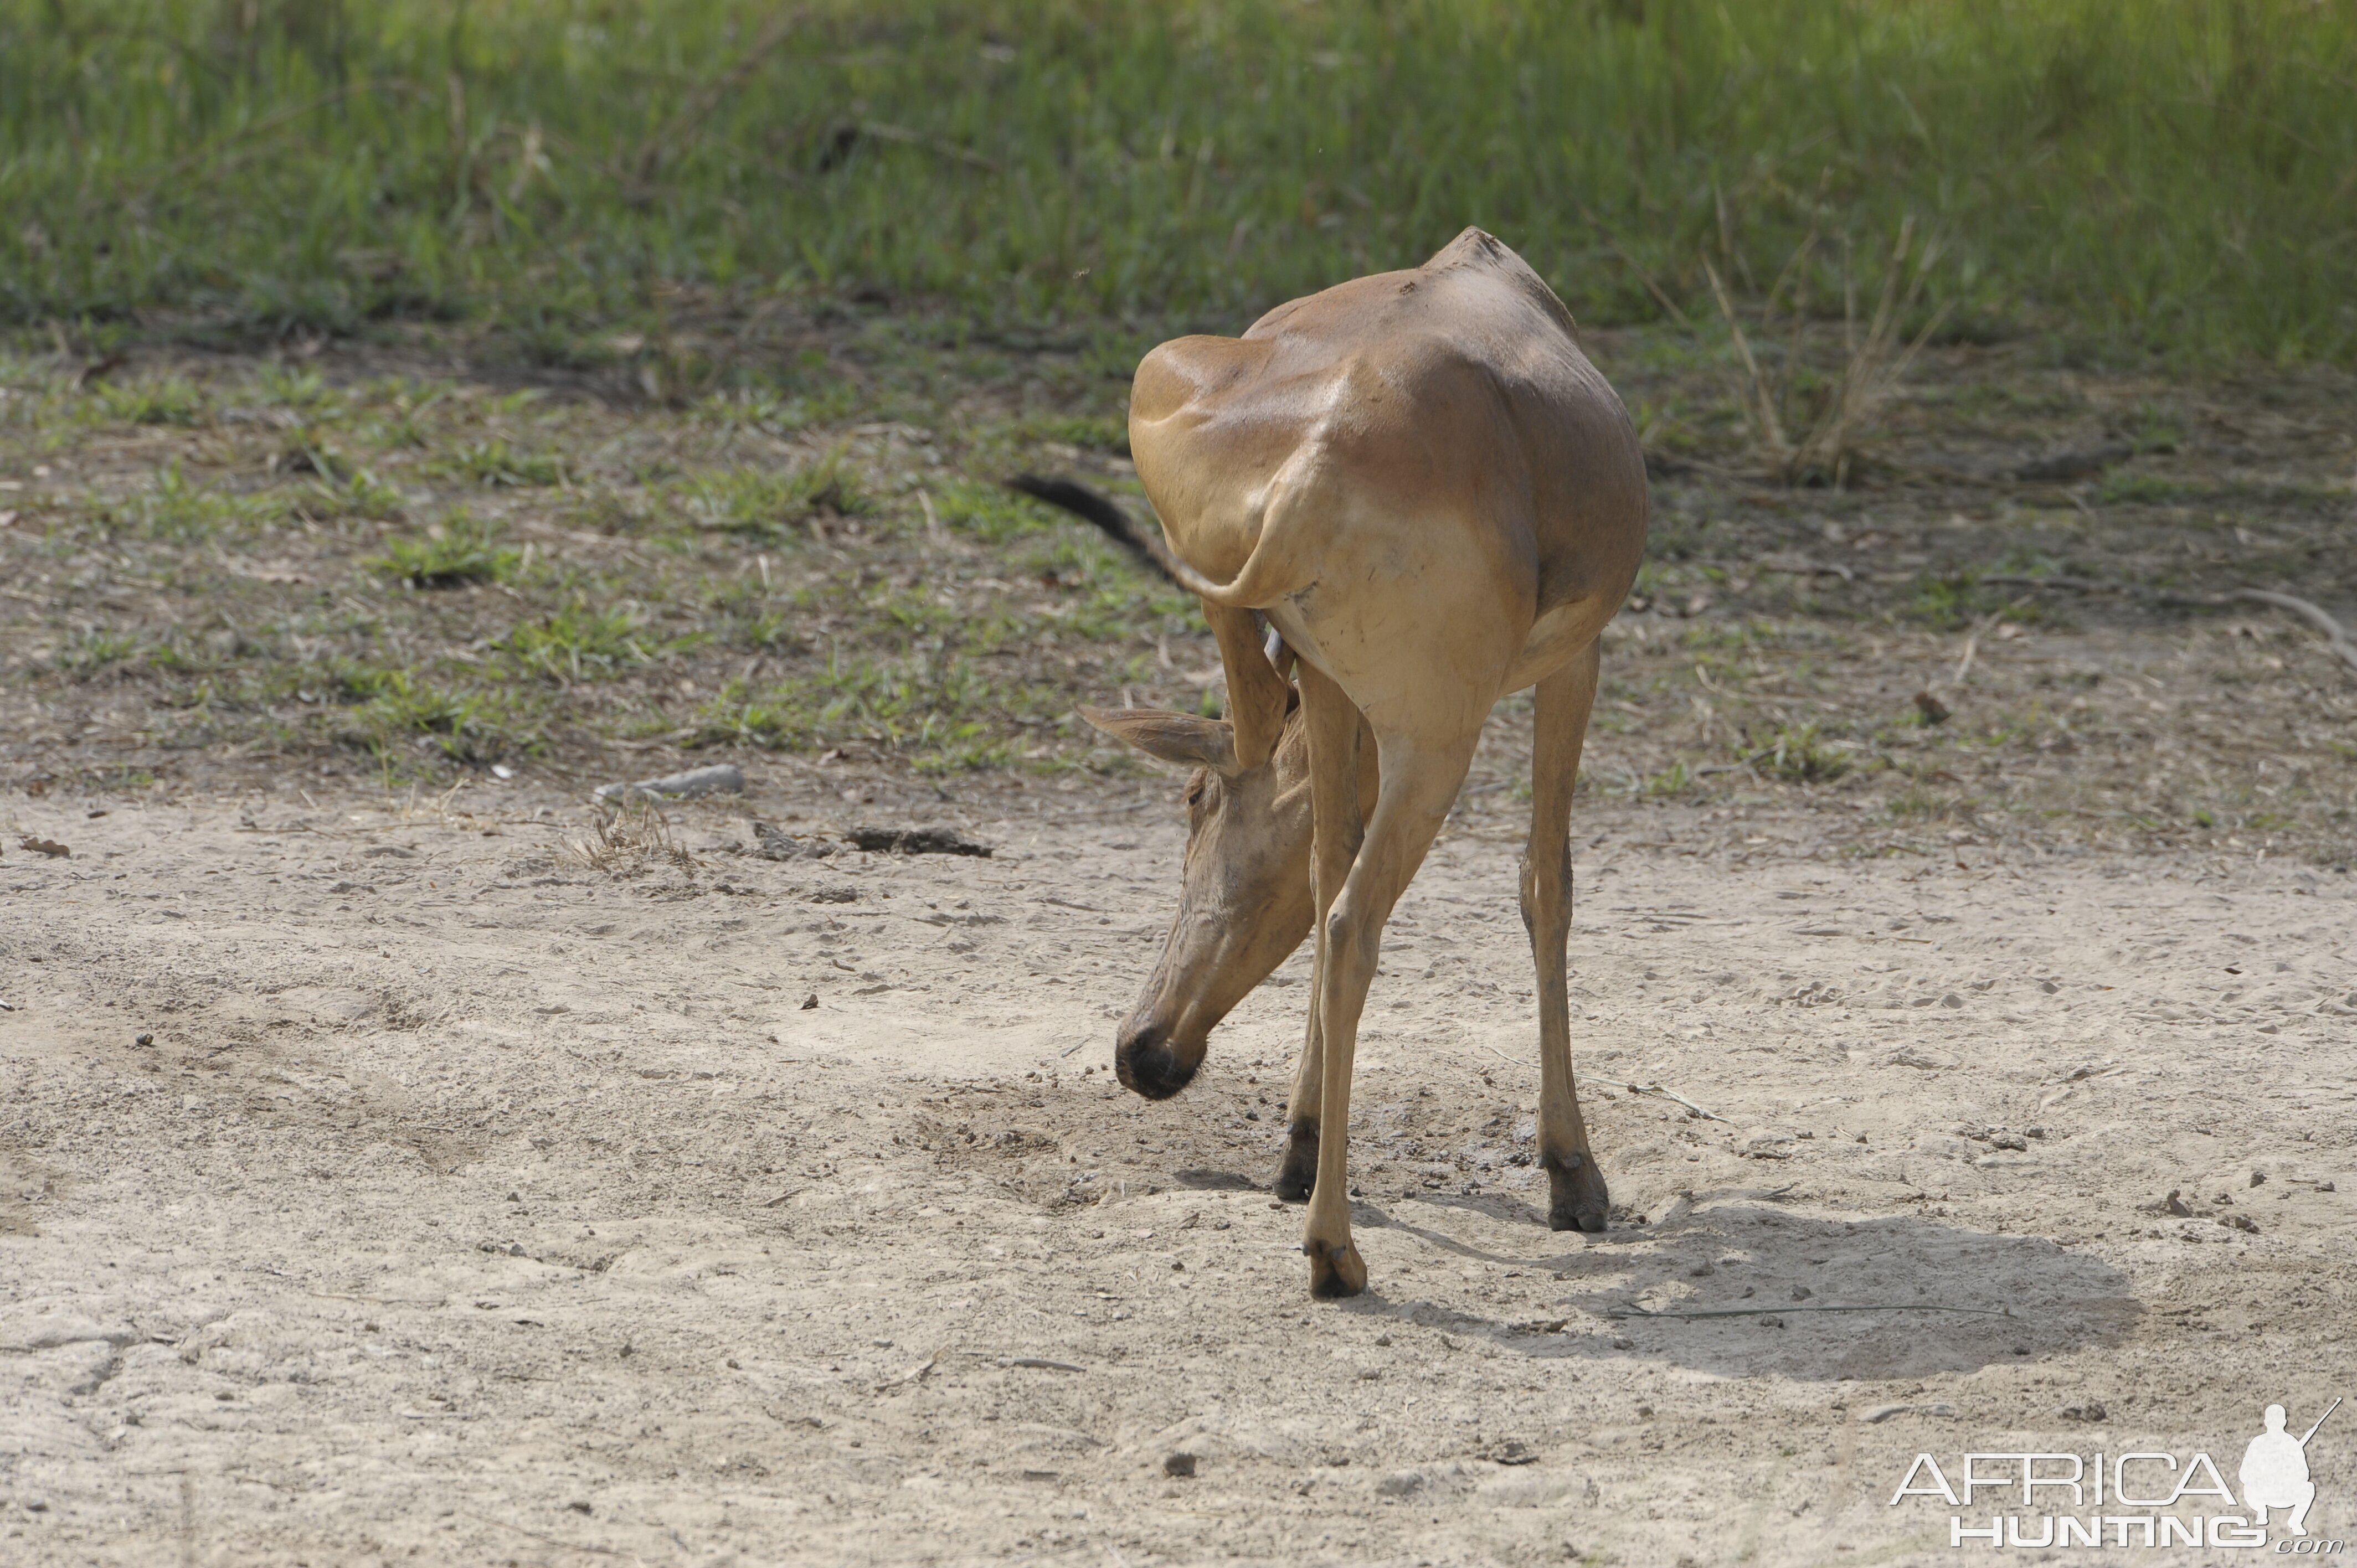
(633, 839)
(1781, 396)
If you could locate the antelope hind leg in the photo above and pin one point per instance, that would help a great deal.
(1576, 1198)
(1297, 1176)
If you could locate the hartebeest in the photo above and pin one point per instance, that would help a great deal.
(1435, 499)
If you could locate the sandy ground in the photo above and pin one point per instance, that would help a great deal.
(384, 1183)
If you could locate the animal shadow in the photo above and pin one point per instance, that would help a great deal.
(1804, 1296)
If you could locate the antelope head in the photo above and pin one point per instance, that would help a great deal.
(1245, 902)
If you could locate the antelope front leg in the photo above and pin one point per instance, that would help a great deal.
(1336, 732)
(1576, 1198)
(1419, 784)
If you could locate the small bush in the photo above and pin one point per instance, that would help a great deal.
(1744, 632)
(497, 462)
(94, 649)
(1952, 601)
(578, 643)
(358, 493)
(159, 399)
(350, 680)
(758, 502)
(1798, 754)
(604, 509)
(464, 726)
(176, 509)
(303, 390)
(456, 552)
(767, 631)
(1675, 780)
(1919, 803)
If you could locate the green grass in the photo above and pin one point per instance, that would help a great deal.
(694, 580)
(452, 553)
(95, 650)
(1952, 601)
(177, 508)
(344, 490)
(759, 504)
(407, 710)
(496, 462)
(947, 715)
(580, 642)
(560, 168)
(2123, 486)
(764, 409)
(163, 400)
(1798, 754)
(1105, 433)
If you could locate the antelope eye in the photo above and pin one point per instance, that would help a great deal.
(1195, 792)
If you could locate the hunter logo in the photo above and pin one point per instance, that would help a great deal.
(2134, 1499)
(2275, 1471)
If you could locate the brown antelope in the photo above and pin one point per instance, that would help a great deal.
(1435, 500)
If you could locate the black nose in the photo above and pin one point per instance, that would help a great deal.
(1145, 1062)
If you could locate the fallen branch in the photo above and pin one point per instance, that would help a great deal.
(1656, 1089)
(2336, 637)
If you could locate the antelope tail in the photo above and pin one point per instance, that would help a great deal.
(1096, 506)
(1102, 509)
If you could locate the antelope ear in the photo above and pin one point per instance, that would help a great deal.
(1188, 739)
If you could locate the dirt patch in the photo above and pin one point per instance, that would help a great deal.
(515, 1209)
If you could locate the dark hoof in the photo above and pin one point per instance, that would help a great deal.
(1576, 1198)
(1335, 1271)
(1297, 1177)
(1144, 1064)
